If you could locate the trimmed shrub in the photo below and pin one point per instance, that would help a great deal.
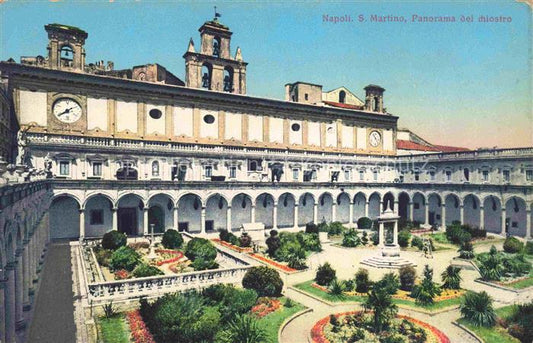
(325, 274)
(230, 300)
(273, 243)
(351, 239)
(362, 281)
(245, 240)
(403, 238)
(265, 281)
(457, 234)
(310, 241)
(416, 241)
(124, 258)
(200, 248)
(364, 223)
(311, 228)
(145, 270)
(323, 227)
(336, 229)
(113, 240)
(172, 239)
(407, 278)
(223, 235)
(512, 245)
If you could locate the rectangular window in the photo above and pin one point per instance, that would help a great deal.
(97, 169)
(417, 176)
(232, 172)
(64, 168)
(347, 175)
(208, 171)
(448, 175)
(295, 174)
(97, 217)
(529, 175)
(506, 176)
(432, 175)
(375, 175)
(313, 175)
(361, 175)
(485, 176)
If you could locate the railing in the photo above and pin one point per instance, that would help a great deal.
(475, 154)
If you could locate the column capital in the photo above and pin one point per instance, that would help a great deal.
(146, 208)
(81, 210)
(114, 209)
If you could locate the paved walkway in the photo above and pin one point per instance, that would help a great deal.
(53, 319)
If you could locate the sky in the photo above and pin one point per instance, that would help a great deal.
(466, 83)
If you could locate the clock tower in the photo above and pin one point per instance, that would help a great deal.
(65, 47)
(213, 67)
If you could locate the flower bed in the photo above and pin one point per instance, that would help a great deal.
(177, 256)
(231, 246)
(121, 274)
(273, 263)
(139, 331)
(433, 334)
(265, 306)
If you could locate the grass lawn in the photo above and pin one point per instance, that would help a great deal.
(495, 334)
(114, 329)
(306, 286)
(273, 321)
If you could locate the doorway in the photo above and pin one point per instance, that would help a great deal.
(156, 216)
(127, 220)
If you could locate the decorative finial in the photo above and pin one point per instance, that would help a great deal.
(217, 15)
(238, 55)
(191, 46)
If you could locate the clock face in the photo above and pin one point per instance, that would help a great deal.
(375, 138)
(67, 110)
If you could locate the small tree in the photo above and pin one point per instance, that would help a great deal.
(325, 274)
(145, 270)
(124, 258)
(477, 308)
(172, 239)
(491, 267)
(451, 278)
(113, 240)
(362, 281)
(245, 240)
(351, 239)
(243, 329)
(364, 223)
(512, 245)
(265, 281)
(403, 238)
(380, 302)
(311, 228)
(407, 278)
(389, 283)
(427, 290)
(273, 243)
(466, 250)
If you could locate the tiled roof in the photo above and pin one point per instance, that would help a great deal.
(408, 145)
(445, 148)
(341, 105)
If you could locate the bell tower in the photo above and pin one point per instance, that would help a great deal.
(65, 47)
(214, 68)
(374, 98)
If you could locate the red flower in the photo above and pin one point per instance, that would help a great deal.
(121, 274)
(139, 331)
(273, 263)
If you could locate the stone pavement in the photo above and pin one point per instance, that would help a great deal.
(53, 319)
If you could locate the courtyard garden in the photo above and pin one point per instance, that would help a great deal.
(219, 313)
(118, 260)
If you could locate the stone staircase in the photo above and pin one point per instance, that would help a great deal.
(387, 262)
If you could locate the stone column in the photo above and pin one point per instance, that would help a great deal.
(396, 207)
(202, 221)
(411, 211)
(253, 214)
(462, 213)
(3, 283)
(228, 218)
(426, 223)
(275, 216)
(503, 221)
(395, 233)
(315, 213)
(443, 217)
(350, 215)
(146, 230)
(295, 216)
(334, 211)
(26, 271)
(9, 303)
(528, 224)
(366, 208)
(381, 206)
(176, 218)
(114, 220)
(381, 236)
(19, 290)
(481, 218)
(82, 224)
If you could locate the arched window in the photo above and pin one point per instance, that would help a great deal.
(466, 173)
(376, 104)
(67, 53)
(216, 47)
(342, 97)
(228, 79)
(206, 76)
(155, 168)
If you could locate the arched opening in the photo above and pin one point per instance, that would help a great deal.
(127, 172)
(342, 97)
(306, 205)
(388, 201)
(419, 208)
(376, 104)
(241, 210)
(515, 217)
(435, 209)
(285, 213)
(264, 209)
(155, 169)
(343, 208)
(374, 208)
(216, 46)
(492, 211)
(453, 209)
(98, 215)
(190, 213)
(228, 79)
(66, 55)
(216, 213)
(471, 210)
(359, 203)
(325, 208)
(206, 75)
(64, 219)
(160, 212)
(403, 206)
(130, 215)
